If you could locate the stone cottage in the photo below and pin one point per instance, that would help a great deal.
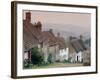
(33, 36)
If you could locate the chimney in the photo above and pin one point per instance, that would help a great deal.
(58, 34)
(39, 26)
(70, 38)
(28, 17)
(50, 30)
(81, 37)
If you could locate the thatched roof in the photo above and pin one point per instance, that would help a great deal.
(78, 45)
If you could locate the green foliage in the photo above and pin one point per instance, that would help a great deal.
(67, 61)
(36, 57)
(50, 58)
(27, 63)
(58, 60)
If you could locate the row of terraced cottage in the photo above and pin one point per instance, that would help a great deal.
(48, 42)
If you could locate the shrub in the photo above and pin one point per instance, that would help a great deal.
(26, 63)
(67, 61)
(58, 60)
(50, 58)
(36, 57)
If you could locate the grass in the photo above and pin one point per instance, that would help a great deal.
(55, 65)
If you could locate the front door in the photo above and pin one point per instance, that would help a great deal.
(77, 58)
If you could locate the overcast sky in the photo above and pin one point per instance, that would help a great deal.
(70, 21)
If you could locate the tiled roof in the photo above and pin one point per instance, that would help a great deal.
(27, 28)
(47, 37)
(61, 42)
(50, 37)
(29, 36)
(32, 30)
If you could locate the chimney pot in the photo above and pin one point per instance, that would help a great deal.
(51, 30)
(81, 37)
(58, 34)
(28, 16)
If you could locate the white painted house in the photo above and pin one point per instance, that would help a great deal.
(79, 56)
(63, 54)
(76, 49)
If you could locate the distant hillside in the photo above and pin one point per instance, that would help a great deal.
(68, 30)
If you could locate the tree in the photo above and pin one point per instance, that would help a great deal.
(36, 57)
